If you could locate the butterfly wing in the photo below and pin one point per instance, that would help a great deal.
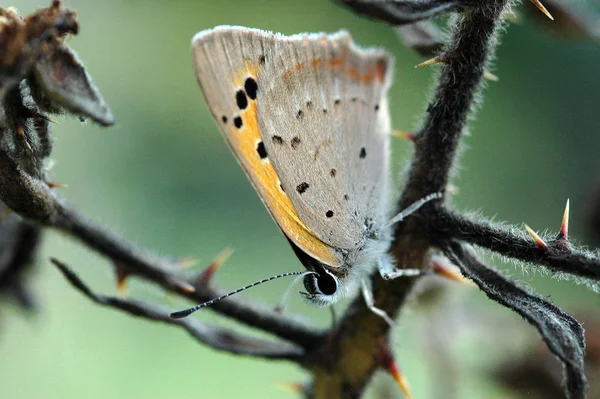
(307, 118)
(228, 61)
(324, 119)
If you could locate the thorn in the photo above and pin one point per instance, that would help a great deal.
(450, 273)
(21, 133)
(397, 375)
(435, 60)
(46, 118)
(490, 76)
(404, 135)
(389, 364)
(541, 7)
(541, 243)
(121, 275)
(208, 273)
(563, 235)
(185, 287)
(186, 261)
(291, 386)
(401, 380)
(56, 185)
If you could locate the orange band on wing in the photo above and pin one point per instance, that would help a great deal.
(378, 71)
(244, 141)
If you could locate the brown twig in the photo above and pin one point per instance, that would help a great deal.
(216, 337)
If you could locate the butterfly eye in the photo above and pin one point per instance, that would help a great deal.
(323, 283)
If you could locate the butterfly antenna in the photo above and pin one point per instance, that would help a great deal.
(411, 209)
(184, 313)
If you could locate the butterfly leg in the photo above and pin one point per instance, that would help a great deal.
(388, 270)
(334, 319)
(370, 302)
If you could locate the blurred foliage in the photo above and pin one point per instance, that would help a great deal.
(164, 178)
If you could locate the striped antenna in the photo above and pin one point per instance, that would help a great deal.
(184, 313)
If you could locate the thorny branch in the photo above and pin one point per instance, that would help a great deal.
(216, 337)
(558, 255)
(562, 333)
(40, 75)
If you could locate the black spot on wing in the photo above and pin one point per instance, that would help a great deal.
(302, 187)
(261, 150)
(299, 114)
(241, 99)
(363, 153)
(329, 214)
(251, 88)
(333, 172)
(237, 121)
(224, 119)
(277, 139)
(376, 107)
(295, 142)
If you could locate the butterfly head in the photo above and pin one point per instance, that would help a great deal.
(323, 287)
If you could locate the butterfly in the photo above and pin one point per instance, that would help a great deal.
(307, 118)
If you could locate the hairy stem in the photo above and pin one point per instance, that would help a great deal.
(363, 335)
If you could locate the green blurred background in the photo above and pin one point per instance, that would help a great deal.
(164, 179)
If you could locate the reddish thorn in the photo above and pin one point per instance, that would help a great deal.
(563, 234)
(404, 135)
(21, 133)
(210, 271)
(121, 275)
(543, 9)
(538, 240)
(388, 363)
(450, 273)
(56, 185)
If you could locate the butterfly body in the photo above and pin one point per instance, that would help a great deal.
(308, 120)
